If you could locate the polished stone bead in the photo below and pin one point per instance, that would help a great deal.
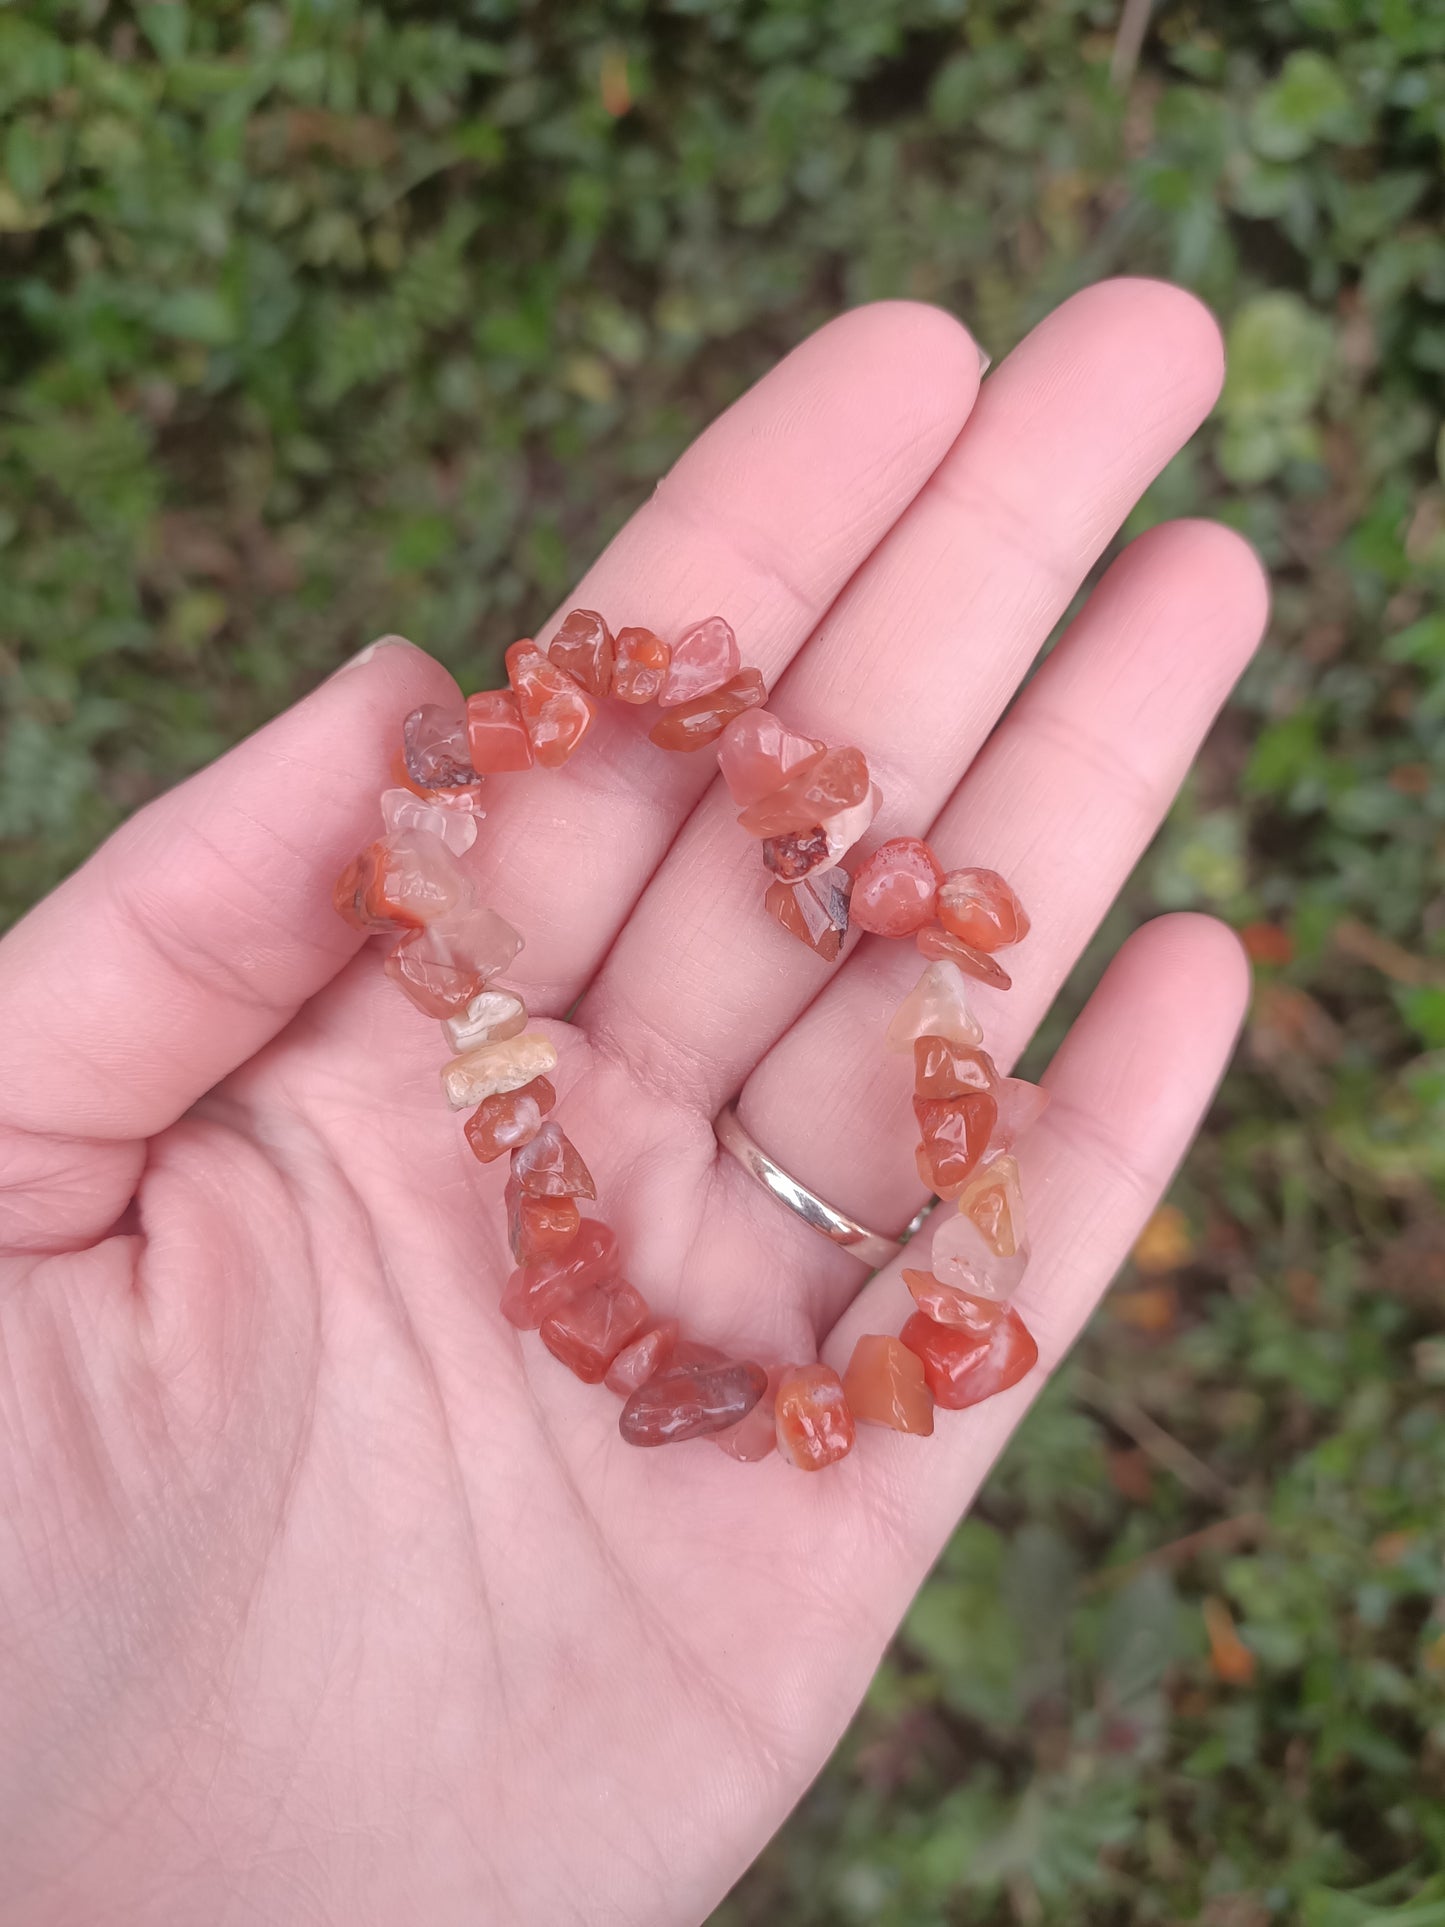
(464, 798)
(425, 973)
(589, 1329)
(956, 1133)
(884, 1385)
(425, 877)
(797, 855)
(964, 1365)
(532, 1291)
(1020, 1106)
(704, 657)
(894, 888)
(639, 665)
(444, 967)
(498, 737)
(949, 1304)
(755, 1436)
(403, 809)
(508, 1120)
(695, 724)
(850, 825)
(757, 751)
(937, 1006)
(945, 1069)
(964, 1257)
(802, 853)
(814, 1425)
(993, 1201)
(980, 908)
(550, 1166)
(556, 710)
(408, 878)
(649, 1353)
(935, 943)
(477, 935)
(434, 745)
(690, 1401)
(503, 1066)
(357, 896)
(539, 1226)
(815, 910)
(811, 796)
(583, 646)
(490, 1016)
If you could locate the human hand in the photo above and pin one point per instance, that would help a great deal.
(326, 1595)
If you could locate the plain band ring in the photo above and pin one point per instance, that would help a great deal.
(871, 1247)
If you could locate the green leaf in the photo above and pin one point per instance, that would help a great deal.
(166, 24)
(1279, 351)
(1423, 1008)
(1325, 1908)
(1140, 1636)
(1286, 752)
(195, 314)
(1308, 101)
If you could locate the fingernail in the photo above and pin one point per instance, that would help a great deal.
(985, 359)
(365, 655)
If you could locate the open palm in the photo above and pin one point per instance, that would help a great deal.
(325, 1596)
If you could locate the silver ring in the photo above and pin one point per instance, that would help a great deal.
(871, 1247)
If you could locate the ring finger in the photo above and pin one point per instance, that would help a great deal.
(1063, 801)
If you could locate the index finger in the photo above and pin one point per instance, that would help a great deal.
(763, 521)
(193, 936)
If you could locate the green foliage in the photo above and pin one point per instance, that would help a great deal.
(320, 321)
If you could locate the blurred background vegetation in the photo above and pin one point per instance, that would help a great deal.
(322, 320)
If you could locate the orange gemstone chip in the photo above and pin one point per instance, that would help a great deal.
(695, 724)
(444, 967)
(509, 1119)
(537, 1226)
(583, 646)
(884, 1385)
(937, 1006)
(704, 659)
(815, 910)
(690, 1401)
(815, 792)
(639, 665)
(956, 1131)
(637, 1362)
(555, 709)
(408, 879)
(591, 1327)
(498, 736)
(535, 1288)
(757, 752)
(895, 888)
(963, 1364)
(948, 1304)
(549, 1165)
(814, 1424)
(942, 1068)
(979, 907)
(934, 942)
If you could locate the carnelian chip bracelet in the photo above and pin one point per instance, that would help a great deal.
(807, 804)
